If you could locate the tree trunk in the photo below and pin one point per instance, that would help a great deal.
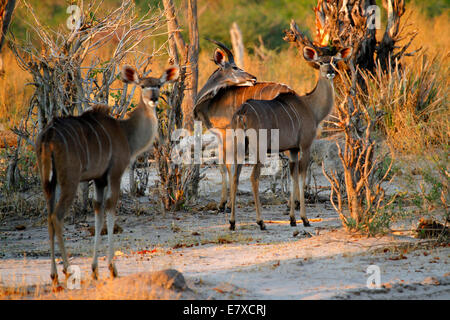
(189, 55)
(6, 11)
(238, 44)
(191, 68)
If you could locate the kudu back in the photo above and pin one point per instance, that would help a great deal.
(95, 146)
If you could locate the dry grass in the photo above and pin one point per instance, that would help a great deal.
(14, 92)
(415, 103)
(141, 286)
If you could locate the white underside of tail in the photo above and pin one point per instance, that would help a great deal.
(50, 174)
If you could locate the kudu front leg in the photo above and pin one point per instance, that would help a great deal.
(224, 197)
(111, 203)
(294, 171)
(304, 162)
(110, 220)
(234, 181)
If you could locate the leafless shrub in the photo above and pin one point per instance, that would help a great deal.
(69, 75)
(341, 23)
(175, 178)
(362, 163)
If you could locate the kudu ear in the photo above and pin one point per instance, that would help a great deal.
(219, 58)
(130, 75)
(344, 53)
(171, 74)
(310, 54)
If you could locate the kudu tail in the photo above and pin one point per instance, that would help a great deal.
(47, 168)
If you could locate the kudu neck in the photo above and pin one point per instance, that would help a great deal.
(322, 98)
(140, 127)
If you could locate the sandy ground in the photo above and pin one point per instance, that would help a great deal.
(283, 262)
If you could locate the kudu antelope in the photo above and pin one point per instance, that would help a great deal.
(297, 118)
(224, 92)
(95, 146)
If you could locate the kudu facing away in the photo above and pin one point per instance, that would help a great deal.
(224, 92)
(95, 146)
(297, 118)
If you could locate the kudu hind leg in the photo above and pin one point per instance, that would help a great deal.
(255, 187)
(56, 218)
(293, 168)
(99, 216)
(224, 197)
(50, 198)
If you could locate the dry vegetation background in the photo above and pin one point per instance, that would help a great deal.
(415, 102)
(415, 122)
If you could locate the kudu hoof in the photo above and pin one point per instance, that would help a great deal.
(306, 222)
(112, 270)
(224, 209)
(54, 277)
(232, 225)
(95, 273)
(261, 224)
(293, 222)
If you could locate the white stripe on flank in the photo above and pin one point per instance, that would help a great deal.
(257, 115)
(271, 91)
(243, 96)
(86, 144)
(98, 139)
(260, 93)
(109, 138)
(50, 173)
(295, 111)
(64, 138)
(78, 140)
(292, 121)
(273, 112)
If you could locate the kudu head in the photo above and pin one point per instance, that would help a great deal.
(327, 64)
(229, 74)
(150, 86)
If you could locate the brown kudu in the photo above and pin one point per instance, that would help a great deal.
(297, 118)
(224, 92)
(95, 146)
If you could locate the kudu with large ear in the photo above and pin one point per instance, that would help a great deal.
(310, 54)
(344, 54)
(224, 48)
(171, 74)
(297, 119)
(95, 146)
(130, 75)
(219, 58)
